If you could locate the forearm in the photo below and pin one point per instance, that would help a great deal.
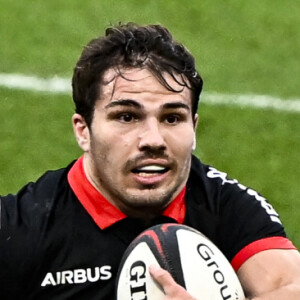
(287, 292)
(271, 275)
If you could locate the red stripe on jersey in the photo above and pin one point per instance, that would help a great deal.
(277, 242)
(177, 208)
(101, 210)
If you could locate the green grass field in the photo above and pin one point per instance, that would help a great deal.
(240, 48)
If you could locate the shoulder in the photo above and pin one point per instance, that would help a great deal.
(240, 214)
(211, 175)
(211, 185)
(34, 199)
(228, 192)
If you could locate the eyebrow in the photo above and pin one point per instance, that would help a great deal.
(174, 105)
(124, 102)
(133, 103)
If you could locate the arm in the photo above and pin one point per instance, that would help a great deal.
(272, 275)
(268, 275)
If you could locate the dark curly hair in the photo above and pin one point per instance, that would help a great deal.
(132, 46)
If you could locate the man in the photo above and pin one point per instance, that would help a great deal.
(136, 94)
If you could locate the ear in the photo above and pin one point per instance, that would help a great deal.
(81, 131)
(196, 118)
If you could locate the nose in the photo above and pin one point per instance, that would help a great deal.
(151, 136)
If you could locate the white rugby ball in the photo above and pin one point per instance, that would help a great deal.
(191, 258)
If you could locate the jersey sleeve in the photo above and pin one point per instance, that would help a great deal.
(15, 249)
(24, 218)
(248, 222)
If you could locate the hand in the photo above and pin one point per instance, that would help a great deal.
(172, 290)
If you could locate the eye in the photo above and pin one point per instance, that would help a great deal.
(127, 118)
(172, 119)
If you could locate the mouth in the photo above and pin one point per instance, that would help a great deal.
(150, 170)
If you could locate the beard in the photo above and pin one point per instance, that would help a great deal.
(148, 198)
(137, 200)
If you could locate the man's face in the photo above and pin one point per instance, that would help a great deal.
(138, 149)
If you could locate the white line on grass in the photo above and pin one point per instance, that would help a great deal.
(253, 101)
(63, 86)
(22, 82)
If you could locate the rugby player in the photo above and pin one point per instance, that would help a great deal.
(136, 93)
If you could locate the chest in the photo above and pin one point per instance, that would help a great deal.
(75, 259)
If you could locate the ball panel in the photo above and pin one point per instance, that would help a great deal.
(206, 269)
(134, 280)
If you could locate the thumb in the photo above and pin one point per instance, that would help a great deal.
(162, 277)
(171, 289)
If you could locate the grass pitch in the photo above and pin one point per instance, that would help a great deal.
(240, 47)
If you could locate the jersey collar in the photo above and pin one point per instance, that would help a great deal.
(101, 210)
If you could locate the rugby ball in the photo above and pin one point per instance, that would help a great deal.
(191, 258)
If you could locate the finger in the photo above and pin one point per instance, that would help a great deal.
(162, 277)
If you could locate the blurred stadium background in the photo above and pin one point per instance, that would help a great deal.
(241, 48)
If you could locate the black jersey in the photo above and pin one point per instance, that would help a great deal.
(52, 246)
